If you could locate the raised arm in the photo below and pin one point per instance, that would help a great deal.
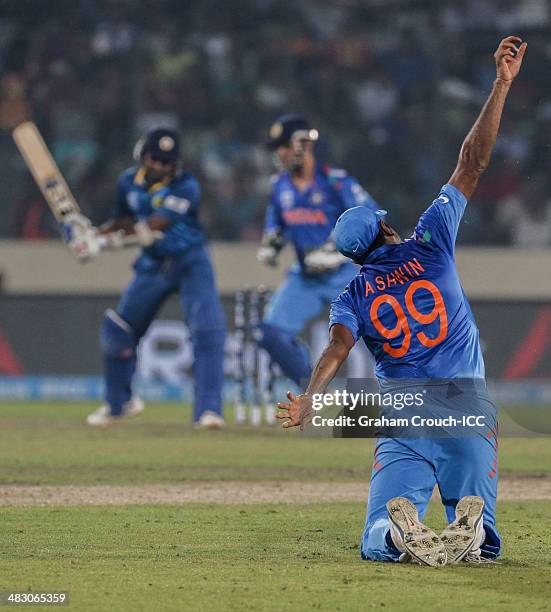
(299, 411)
(477, 148)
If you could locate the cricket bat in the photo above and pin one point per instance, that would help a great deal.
(54, 188)
(45, 171)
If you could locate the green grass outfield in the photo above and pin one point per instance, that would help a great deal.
(49, 444)
(256, 558)
(240, 556)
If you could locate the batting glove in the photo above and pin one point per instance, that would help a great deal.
(85, 244)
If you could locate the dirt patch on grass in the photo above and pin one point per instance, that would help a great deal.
(215, 492)
(512, 488)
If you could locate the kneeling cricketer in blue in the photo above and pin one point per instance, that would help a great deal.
(408, 306)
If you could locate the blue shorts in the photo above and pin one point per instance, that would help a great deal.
(412, 467)
(301, 297)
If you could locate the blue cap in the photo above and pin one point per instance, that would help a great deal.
(356, 229)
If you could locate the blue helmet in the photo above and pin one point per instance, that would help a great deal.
(160, 143)
(286, 127)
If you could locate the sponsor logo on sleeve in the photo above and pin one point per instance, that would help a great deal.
(178, 205)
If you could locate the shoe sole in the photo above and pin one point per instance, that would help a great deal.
(459, 536)
(420, 542)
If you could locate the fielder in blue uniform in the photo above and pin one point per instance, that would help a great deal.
(159, 202)
(408, 306)
(307, 199)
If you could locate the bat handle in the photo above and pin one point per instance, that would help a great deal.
(119, 240)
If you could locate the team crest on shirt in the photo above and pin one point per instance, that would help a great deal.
(287, 199)
(317, 198)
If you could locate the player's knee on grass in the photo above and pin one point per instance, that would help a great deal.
(491, 546)
(287, 351)
(376, 544)
(117, 337)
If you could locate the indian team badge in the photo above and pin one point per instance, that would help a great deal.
(166, 143)
(276, 130)
(317, 198)
(287, 199)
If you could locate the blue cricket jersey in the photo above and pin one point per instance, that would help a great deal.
(408, 305)
(307, 218)
(176, 199)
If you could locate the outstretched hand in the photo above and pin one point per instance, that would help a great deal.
(298, 411)
(508, 57)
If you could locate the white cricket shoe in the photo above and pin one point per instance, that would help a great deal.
(413, 538)
(464, 536)
(210, 420)
(102, 417)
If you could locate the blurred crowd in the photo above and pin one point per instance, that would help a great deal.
(392, 85)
